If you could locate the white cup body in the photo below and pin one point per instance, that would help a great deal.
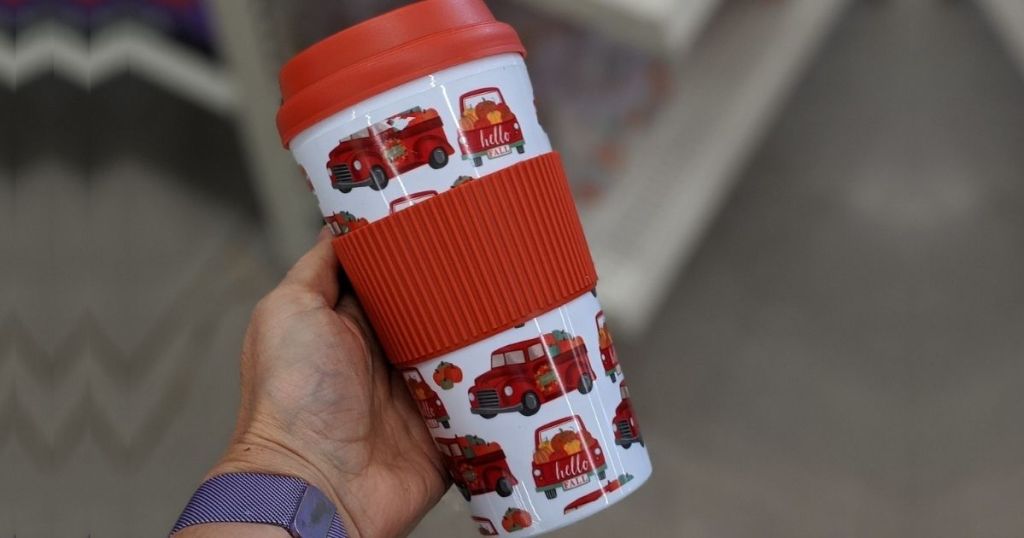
(534, 423)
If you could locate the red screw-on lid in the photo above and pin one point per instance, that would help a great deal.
(385, 52)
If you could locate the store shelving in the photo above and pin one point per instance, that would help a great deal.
(727, 90)
(659, 25)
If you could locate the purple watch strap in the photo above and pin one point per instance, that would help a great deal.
(282, 501)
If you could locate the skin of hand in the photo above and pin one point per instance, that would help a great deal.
(320, 402)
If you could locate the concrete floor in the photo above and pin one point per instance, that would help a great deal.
(841, 358)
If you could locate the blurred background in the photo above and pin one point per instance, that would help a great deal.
(808, 216)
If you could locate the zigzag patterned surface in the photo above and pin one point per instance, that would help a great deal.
(53, 48)
(107, 402)
(129, 266)
(178, 335)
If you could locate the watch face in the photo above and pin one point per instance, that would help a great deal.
(314, 516)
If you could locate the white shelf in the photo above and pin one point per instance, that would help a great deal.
(678, 173)
(659, 25)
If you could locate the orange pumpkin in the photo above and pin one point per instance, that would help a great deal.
(516, 520)
(561, 439)
(446, 375)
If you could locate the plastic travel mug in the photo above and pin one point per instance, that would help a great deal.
(454, 221)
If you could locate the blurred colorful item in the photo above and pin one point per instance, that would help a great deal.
(594, 94)
(186, 21)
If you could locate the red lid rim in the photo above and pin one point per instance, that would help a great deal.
(323, 43)
(385, 52)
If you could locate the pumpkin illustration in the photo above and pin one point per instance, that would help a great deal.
(543, 453)
(516, 520)
(447, 375)
(561, 440)
(486, 107)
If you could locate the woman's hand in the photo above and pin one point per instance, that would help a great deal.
(319, 402)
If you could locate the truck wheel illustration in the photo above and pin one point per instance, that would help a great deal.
(438, 158)
(531, 404)
(551, 493)
(488, 415)
(464, 491)
(521, 149)
(447, 425)
(478, 161)
(612, 376)
(586, 383)
(503, 488)
(601, 475)
(379, 179)
(626, 445)
(343, 189)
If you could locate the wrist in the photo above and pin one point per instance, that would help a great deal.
(253, 455)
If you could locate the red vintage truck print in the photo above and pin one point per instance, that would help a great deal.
(489, 128)
(609, 359)
(429, 404)
(627, 431)
(527, 374)
(375, 155)
(484, 526)
(476, 466)
(344, 223)
(405, 202)
(565, 456)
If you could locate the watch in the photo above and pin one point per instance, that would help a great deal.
(282, 501)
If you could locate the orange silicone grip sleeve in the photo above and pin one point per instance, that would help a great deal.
(477, 260)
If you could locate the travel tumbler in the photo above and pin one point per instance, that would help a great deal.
(454, 222)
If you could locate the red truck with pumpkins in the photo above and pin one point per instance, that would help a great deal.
(427, 401)
(399, 144)
(476, 466)
(488, 126)
(527, 374)
(565, 456)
